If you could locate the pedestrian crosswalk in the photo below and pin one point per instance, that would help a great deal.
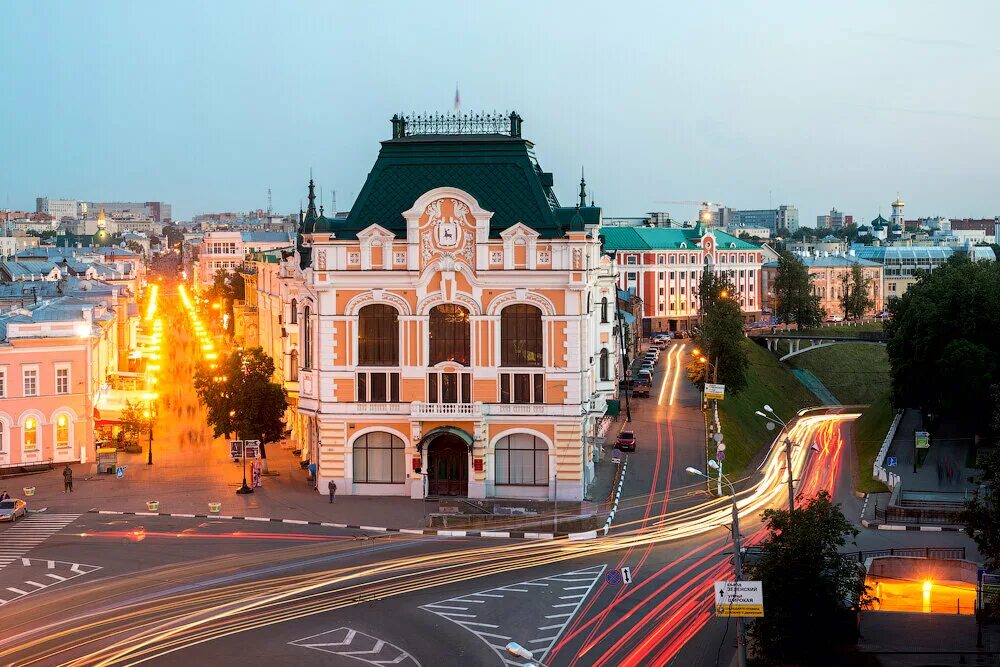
(28, 533)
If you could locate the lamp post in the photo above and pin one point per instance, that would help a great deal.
(741, 637)
(150, 415)
(772, 421)
(245, 489)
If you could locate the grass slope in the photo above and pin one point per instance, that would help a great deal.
(771, 383)
(857, 374)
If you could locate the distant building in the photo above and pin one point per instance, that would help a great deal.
(663, 267)
(828, 273)
(901, 263)
(756, 232)
(58, 208)
(785, 217)
(154, 210)
(834, 220)
(225, 251)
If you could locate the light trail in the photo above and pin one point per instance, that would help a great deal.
(149, 629)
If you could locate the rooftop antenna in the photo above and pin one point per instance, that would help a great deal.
(269, 201)
(458, 98)
(333, 204)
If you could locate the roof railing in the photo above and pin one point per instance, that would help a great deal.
(507, 124)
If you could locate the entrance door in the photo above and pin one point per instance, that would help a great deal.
(448, 467)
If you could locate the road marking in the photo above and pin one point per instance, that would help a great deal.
(29, 533)
(536, 603)
(357, 645)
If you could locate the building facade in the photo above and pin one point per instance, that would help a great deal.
(785, 217)
(225, 251)
(663, 267)
(828, 272)
(457, 327)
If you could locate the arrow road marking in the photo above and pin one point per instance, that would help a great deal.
(359, 646)
(77, 570)
(555, 598)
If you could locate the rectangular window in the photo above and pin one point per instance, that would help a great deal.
(522, 388)
(30, 382)
(62, 380)
(3, 383)
(449, 387)
(378, 387)
(631, 259)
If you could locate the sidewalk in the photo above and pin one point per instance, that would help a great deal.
(185, 482)
(947, 450)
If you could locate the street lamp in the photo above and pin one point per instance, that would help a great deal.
(741, 639)
(519, 651)
(772, 421)
(245, 489)
(150, 415)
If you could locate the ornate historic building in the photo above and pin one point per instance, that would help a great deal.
(456, 329)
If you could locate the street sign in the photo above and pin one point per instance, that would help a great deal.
(252, 448)
(120, 471)
(890, 461)
(626, 575)
(616, 456)
(739, 598)
(235, 448)
(613, 577)
(716, 391)
(922, 440)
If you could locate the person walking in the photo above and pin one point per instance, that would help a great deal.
(67, 479)
(332, 487)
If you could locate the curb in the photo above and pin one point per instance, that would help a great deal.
(924, 529)
(614, 506)
(427, 532)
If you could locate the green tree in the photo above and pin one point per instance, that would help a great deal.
(803, 233)
(854, 298)
(174, 234)
(134, 422)
(811, 593)
(723, 342)
(981, 516)
(793, 293)
(714, 285)
(242, 399)
(943, 348)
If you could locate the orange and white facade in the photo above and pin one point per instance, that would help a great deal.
(55, 359)
(443, 355)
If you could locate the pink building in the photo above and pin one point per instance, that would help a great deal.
(55, 358)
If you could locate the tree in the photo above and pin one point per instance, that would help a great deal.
(793, 293)
(854, 298)
(981, 516)
(714, 285)
(803, 233)
(134, 422)
(723, 342)
(135, 247)
(241, 398)
(943, 348)
(811, 592)
(175, 237)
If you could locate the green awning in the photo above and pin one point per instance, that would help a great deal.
(614, 407)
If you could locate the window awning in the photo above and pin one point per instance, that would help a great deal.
(444, 430)
(614, 407)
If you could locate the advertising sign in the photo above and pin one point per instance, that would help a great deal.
(739, 598)
(235, 448)
(716, 391)
(923, 439)
(253, 449)
(256, 468)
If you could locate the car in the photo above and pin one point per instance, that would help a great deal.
(652, 354)
(626, 441)
(12, 508)
(645, 373)
(641, 386)
(835, 318)
(647, 367)
(660, 344)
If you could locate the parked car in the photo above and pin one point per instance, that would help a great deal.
(835, 318)
(646, 373)
(641, 386)
(652, 354)
(660, 344)
(626, 441)
(12, 509)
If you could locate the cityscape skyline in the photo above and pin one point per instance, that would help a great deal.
(212, 113)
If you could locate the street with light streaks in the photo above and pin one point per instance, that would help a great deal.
(172, 592)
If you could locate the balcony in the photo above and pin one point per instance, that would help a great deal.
(530, 410)
(349, 409)
(422, 410)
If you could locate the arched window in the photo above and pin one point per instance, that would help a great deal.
(379, 458)
(378, 335)
(605, 373)
(604, 310)
(62, 431)
(307, 342)
(521, 460)
(521, 336)
(294, 317)
(449, 334)
(29, 434)
(293, 366)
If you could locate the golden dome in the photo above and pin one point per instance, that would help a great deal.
(898, 202)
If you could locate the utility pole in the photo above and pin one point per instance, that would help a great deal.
(741, 633)
(791, 483)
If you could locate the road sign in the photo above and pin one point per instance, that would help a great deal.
(120, 471)
(626, 575)
(613, 577)
(235, 448)
(716, 391)
(922, 440)
(890, 461)
(252, 448)
(739, 598)
(616, 456)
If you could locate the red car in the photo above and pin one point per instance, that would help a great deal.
(626, 441)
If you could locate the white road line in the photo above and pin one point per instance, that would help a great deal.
(515, 590)
(17, 590)
(482, 625)
(451, 614)
(444, 606)
(55, 576)
(559, 615)
(551, 627)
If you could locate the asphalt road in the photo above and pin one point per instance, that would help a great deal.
(93, 589)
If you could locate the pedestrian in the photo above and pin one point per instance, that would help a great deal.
(67, 479)
(332, 486)
(312, 474)
(4, 496)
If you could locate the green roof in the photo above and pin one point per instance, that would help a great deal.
(666, 238)
(500, 171)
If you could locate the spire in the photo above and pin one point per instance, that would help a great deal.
(583, 190)
(311, 210)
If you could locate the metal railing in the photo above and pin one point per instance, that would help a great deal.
(944, 553)
(914, 515)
